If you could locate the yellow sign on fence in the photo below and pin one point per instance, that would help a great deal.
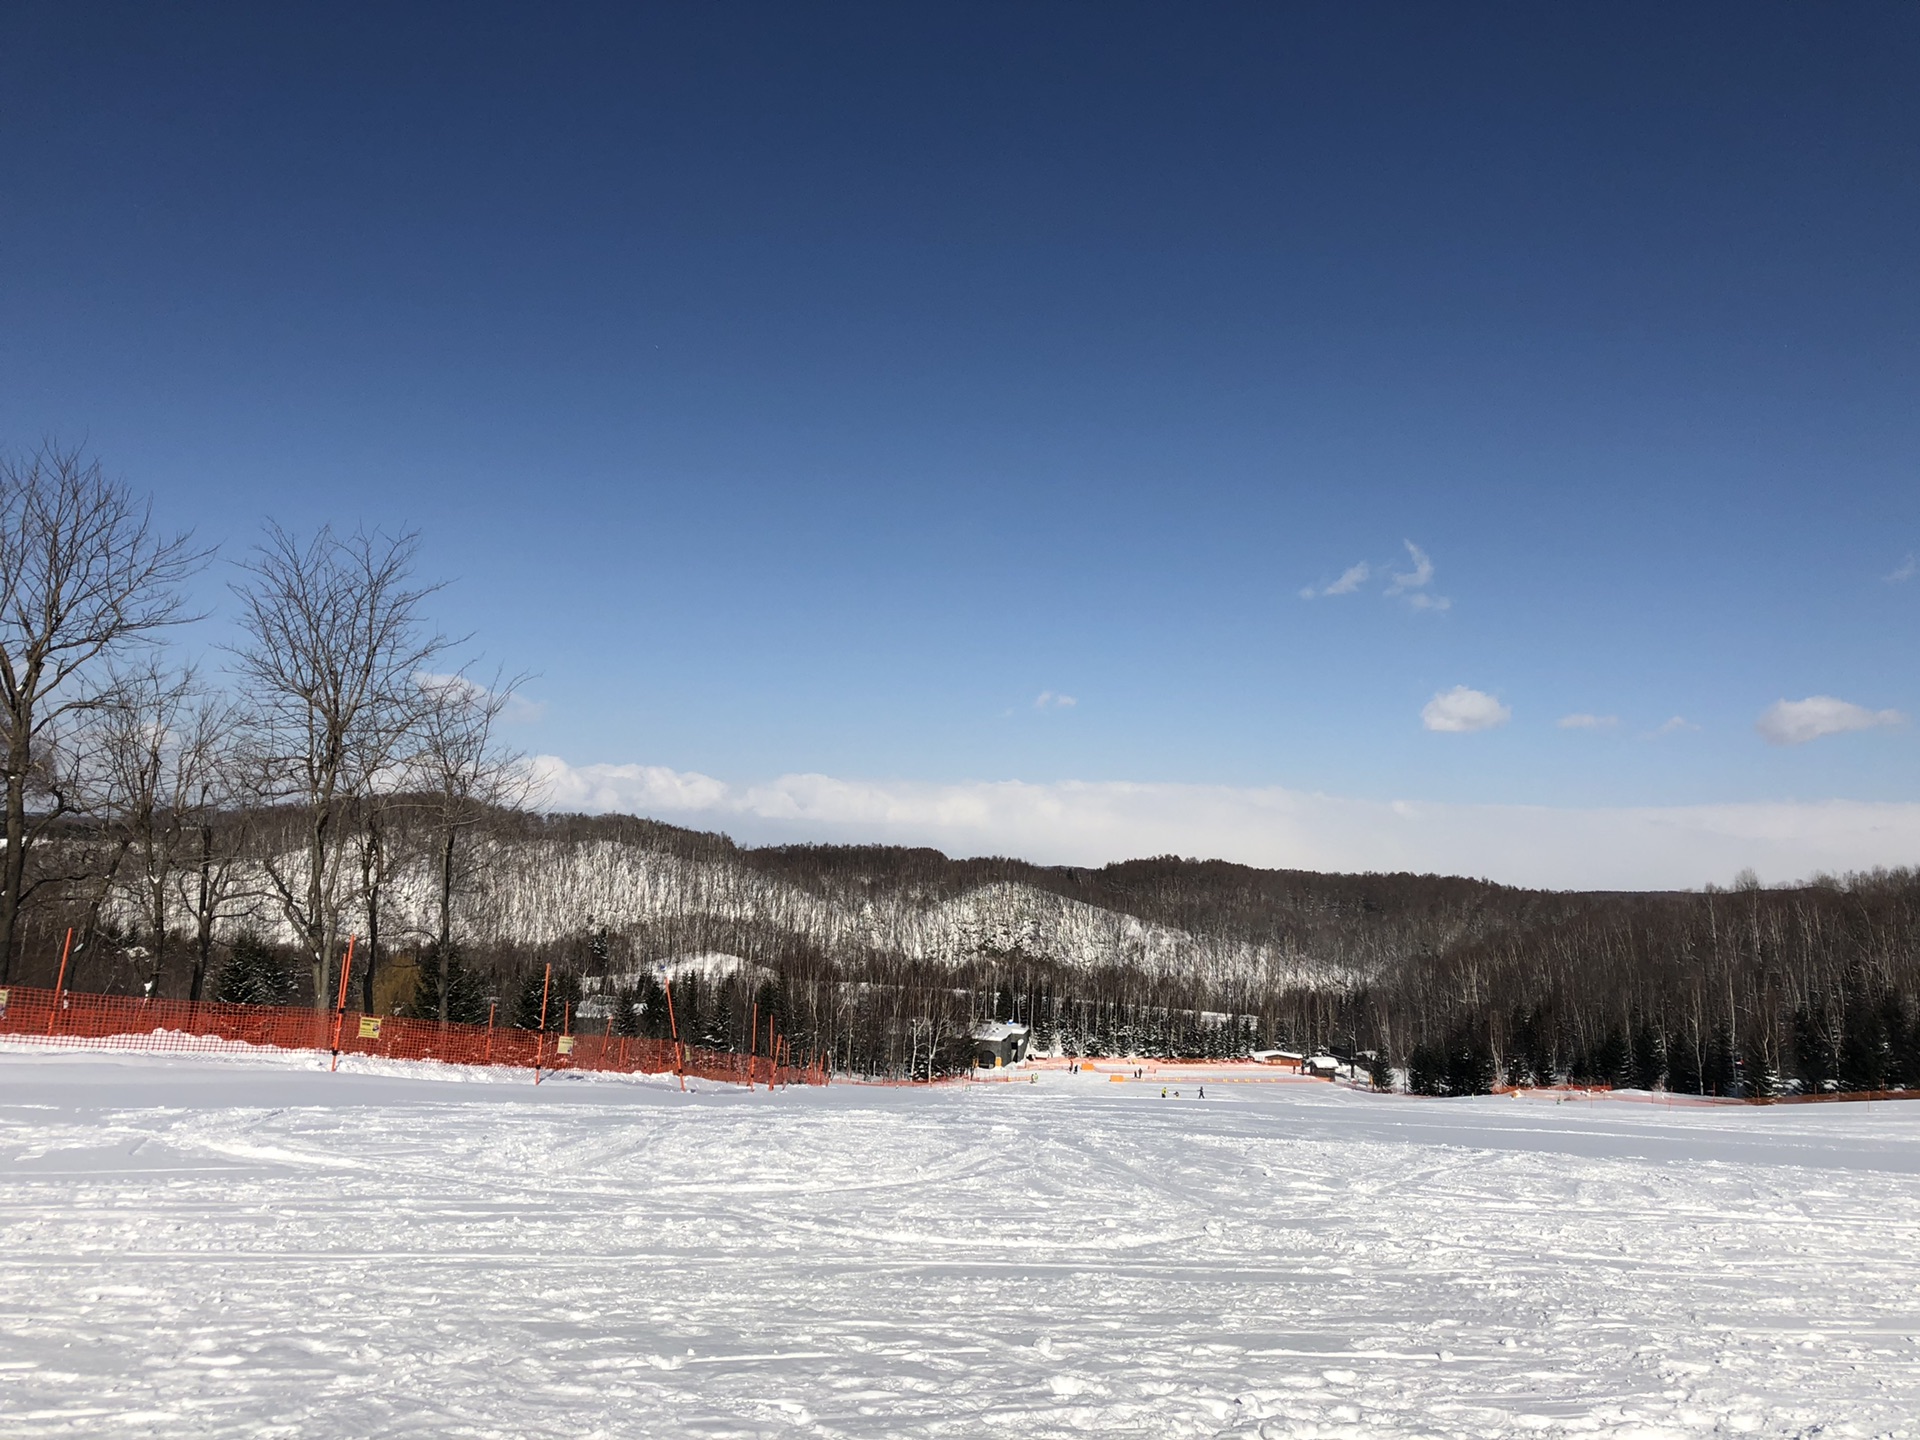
(369, 1027)
(566, 1044)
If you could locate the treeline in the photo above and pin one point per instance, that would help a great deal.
(152, 804)
(221, 831)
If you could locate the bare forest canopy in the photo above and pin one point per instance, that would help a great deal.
(888, 956)
(222, 827)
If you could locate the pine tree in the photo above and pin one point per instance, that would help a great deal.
(650, 1000)
(1903, 1044)
(1470, 1066)
(626, 1013)
(1649, 1064)
(1683, 1063)
(1722, 1075)
(255, 974)
(562, 997)
(1044, 1034)
(466, 998)
(1758, 1076)
(1813, 1051)
(1427, 1069)
(1863, 1046)
(1608, 1065)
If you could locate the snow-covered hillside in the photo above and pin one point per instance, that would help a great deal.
(540, 891)
(230, 1248)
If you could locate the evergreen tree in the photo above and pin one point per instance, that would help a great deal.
(626, 1013)
(1044, 1034)
(1648, 1066)
(1722, 1074)
(1427, 1069)
(1380, 1071)
(1610, 1059)
(1862, 1061)
(255, 974)
(1530, 1048)
(724, 1021)
(466, 998)
(1758, 1077)
(562, 997)
(650, 1002)
(1470, 1066)
(1683, 1063)
(1813, 1051)
(1903, 1044)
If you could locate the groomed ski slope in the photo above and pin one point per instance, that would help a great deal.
(218, 1246)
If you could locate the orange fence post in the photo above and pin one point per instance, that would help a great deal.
(61, 983)
(753, 1043)
(679, 1055)
(540, 1047)
(340, 1005)
(492, 1007)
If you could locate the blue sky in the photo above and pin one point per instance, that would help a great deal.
(810, 390)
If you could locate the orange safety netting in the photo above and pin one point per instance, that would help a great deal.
(125, 1022)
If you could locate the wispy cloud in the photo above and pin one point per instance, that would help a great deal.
(1091, 823)
(518, 710)
(1905, 570)
(1413, 584)
(1351, 579)
(1048, 700)
(1461, 710)
(1795, 722)
(1587, 722)
(1673, 725)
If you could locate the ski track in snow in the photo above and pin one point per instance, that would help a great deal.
(215, 1246)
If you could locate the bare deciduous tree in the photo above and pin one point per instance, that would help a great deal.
(336, 637)
(211, 876)
(139, 743)
(462, 771)
(84, 576)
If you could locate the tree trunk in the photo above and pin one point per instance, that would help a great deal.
(203, 916)
(15, 866)
(319, 921)
(372, 885)
(445, 938)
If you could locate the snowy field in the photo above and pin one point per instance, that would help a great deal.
(215, 1247)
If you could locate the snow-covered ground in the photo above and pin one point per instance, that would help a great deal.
(229, 1246)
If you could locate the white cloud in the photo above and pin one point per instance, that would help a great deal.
(1461, 710)
(518, 710)
(1587, 722)
(1414, 583)
(1422, 573)
(1795, 722)
(1673, 725)
(1091, 823)
(1048, 700)
(1351, 579)
(1905, 570)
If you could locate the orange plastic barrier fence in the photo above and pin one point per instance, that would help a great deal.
(125, 1022)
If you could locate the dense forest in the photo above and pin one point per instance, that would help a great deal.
(221, 833)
